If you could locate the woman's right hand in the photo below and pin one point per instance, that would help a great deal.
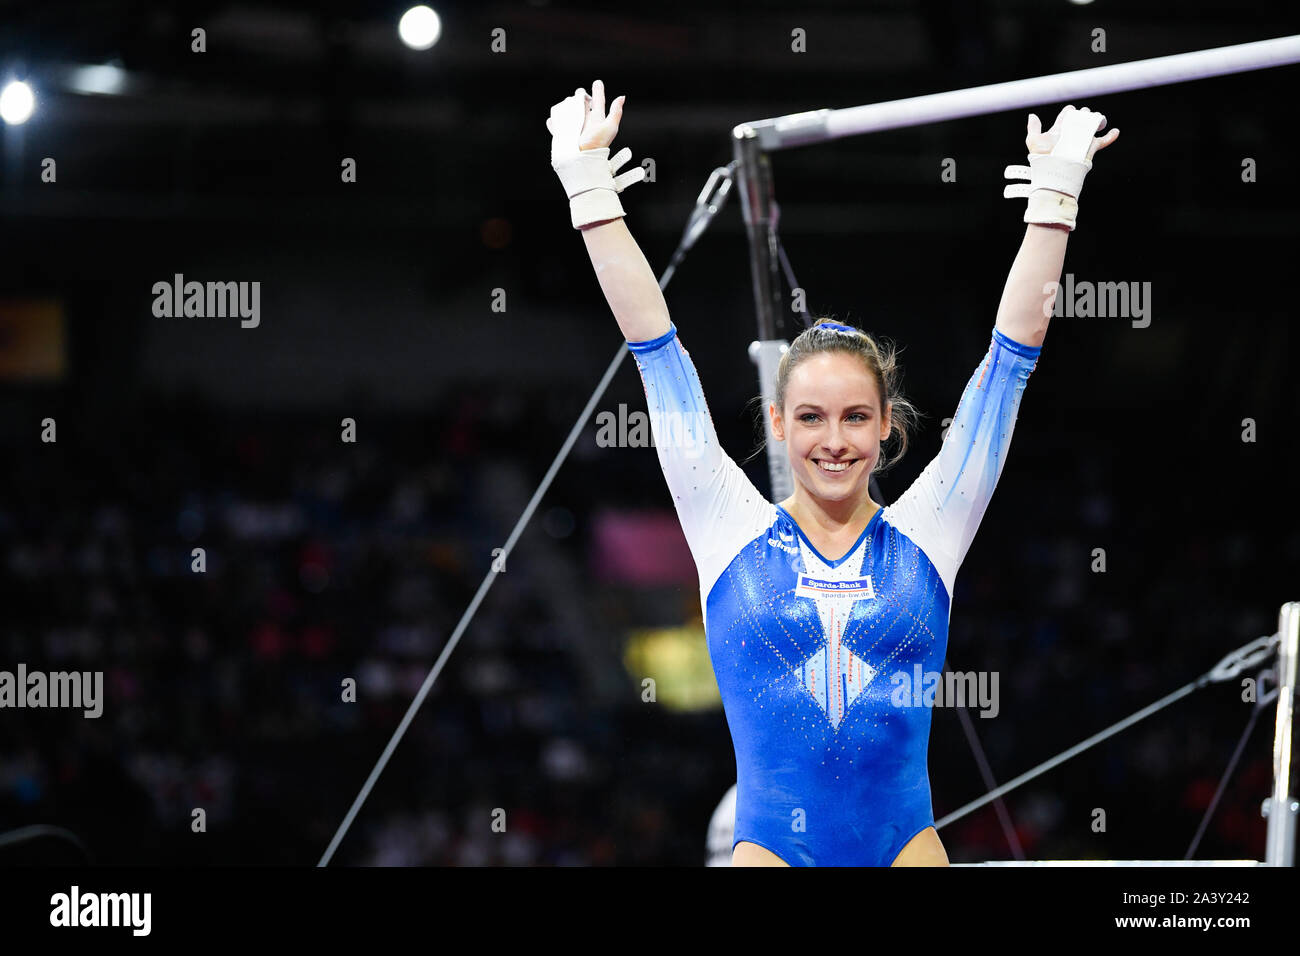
(598, 129)
(582, 116)
(580, 138)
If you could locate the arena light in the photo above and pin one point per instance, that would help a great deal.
(17, 102)
(419, 27)
(677, 660)
(103, 79)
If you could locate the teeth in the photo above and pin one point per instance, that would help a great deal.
(827, 466)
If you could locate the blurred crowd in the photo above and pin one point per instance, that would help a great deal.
(327, 562)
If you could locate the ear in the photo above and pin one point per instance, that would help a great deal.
(888, 425)
(778, 426)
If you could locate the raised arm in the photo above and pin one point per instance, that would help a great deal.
(942, 509)
(1029, 295)
(1038, 263)
(719, 508)
(627, 280)
(581, 133)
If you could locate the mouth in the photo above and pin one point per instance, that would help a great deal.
(835, 469)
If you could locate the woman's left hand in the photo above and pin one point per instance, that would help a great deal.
(1042, 142)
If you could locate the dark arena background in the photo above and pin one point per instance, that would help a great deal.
(262, 529)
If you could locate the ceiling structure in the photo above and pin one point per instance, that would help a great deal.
(226, 132)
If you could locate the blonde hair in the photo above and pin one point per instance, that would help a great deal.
(881, 361)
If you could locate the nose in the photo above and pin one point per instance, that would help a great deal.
(836, 444)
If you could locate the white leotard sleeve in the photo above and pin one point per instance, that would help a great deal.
(942, 509)
(720, 509)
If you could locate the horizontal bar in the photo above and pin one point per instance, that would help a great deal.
(1115, 863)
(817, 126)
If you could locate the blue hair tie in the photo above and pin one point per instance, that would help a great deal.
(836, 327)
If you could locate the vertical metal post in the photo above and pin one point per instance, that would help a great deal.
(754, 176)
(1279, 843)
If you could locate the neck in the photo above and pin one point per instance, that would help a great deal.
(830, 516)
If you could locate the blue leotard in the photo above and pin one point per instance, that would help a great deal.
(808, 650)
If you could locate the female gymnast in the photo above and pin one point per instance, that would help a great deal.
(814, 605)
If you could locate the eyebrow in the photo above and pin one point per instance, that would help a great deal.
(818, 408)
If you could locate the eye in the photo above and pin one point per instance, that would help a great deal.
(858, 415)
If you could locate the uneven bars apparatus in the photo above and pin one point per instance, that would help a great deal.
(753, 141)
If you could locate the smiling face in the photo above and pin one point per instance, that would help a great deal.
(832, 426)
